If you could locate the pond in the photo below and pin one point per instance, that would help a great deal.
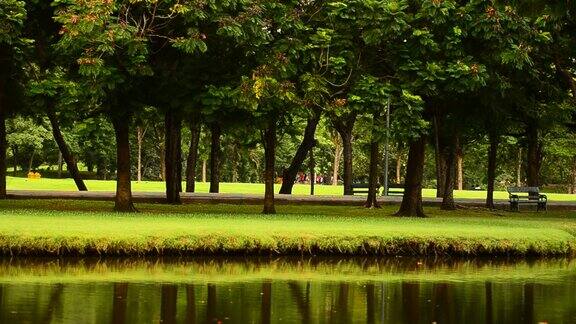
(287, 290)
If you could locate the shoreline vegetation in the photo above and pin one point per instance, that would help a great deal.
(62, 228)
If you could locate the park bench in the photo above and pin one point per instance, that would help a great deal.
(526, 195)
(363, 188)
(395, 189)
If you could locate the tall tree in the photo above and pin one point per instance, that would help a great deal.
(12, 17)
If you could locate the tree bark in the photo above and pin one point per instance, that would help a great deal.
(3, 147)
(534, 156)
(312, 166)
(399, 168)
(337, 156)
(204, 170)
(269, 157)
(448, 194)
(216, 133)
(573, 176)
(31, 161)
(492, 155)
(371, 201)
(440, 157)
(172, 126)
(140, 139)
(65, 150)
(308, 142)
(412, 198)
(14, 154)
(60, 162)
(192, 160)
(123, 201)
(344, 128)
(459, 167)
(519, 168)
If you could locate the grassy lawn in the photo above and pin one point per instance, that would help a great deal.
(14, 183)
(77, 227)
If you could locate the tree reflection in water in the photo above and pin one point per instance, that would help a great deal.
(287, 290)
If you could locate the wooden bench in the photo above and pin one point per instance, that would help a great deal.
(526, 195)
(395, 190)
(363, 188)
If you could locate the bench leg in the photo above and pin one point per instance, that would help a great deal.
(542, 206)
(514, 206)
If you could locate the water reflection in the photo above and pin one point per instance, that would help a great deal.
(284, 290)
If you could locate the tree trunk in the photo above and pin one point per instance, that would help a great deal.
(449, 181)
(60, 162)
(519, 168)
(412, 198)
(440, 156)
(492, 155)
(234, 162)
(172, 127)
(399, 168)
(66, 153)
(123, 200)
(534, 157)
(195, 129)
(269, 157)
(162, 174)
(344, 127)
(337, 156)
(216, 133)
(371, 201)
(312, 166)
(573, 176)
(3, 147)
(308, 142)
(14, 155)
(459, 167)
(204, 167)
(31, 161)
(140, 139)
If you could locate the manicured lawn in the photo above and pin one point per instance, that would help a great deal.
(76, 227)
(246, 188)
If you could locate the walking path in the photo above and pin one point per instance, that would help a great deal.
(191, 198)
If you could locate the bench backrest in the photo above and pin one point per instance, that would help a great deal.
(531, 191)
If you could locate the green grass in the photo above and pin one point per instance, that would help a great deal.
(14, 183)
(76, 227)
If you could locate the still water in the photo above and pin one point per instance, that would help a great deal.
(287, 290)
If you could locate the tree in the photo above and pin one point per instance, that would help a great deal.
(12, 17)
(111, 43)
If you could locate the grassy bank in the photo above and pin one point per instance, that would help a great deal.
(244, 188)
(75, 227)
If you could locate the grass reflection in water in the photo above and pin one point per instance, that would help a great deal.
(309, 290)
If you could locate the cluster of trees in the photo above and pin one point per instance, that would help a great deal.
(452, 73)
